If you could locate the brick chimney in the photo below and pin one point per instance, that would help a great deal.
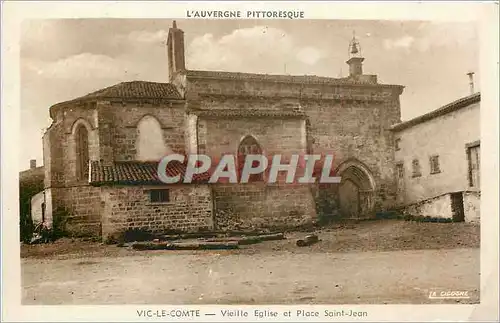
(32, 163)
(175, 47)
(471, 82)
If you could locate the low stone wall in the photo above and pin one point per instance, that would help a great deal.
(442, 207)
(255, 206)
(472, 206)
(438, 207)
(123, 208)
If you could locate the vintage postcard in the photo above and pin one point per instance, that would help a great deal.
(281, 161)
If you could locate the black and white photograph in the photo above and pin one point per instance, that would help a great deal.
(251, 157)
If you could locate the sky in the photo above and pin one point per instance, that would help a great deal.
(65, 59)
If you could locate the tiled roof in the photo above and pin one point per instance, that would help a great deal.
(450, 107)
(32, 178)
(38, 172)
(133, 90)
(137, 89)
(137, 173)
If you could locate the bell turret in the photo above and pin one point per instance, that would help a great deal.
(354, 48)
(355, 61)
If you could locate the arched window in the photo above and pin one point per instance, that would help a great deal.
(249, 146)
(150, 144)
(82, 152)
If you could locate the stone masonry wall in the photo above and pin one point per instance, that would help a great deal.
(123, 118)
(223, 136)
(348, 120)
(73, 205)
(255, 206)
(60, 145)
(358, 130)
(52, 157)
(76, 210)
(190, 209)
(112, 134)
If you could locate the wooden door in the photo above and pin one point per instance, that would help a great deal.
(349, 199)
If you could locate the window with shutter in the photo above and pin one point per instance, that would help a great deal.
(473, 155)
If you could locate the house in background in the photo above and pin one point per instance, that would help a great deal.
(31, 198)
(438, 161)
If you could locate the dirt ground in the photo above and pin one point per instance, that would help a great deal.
(374, 262)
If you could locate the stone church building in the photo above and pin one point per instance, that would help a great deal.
(102, 150)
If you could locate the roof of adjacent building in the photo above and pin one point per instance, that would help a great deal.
(31, 181)
(137, 173)
(450, 107)
(32, 174)
(132, 90)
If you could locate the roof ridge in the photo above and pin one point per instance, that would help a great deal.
(293, 78)
(142, 81)
(444, 109)
(130, 90)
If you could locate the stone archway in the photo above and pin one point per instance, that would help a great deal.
(356, 190)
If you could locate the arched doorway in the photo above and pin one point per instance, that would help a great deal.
(356, 190)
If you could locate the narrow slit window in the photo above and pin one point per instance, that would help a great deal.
(82, 153)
